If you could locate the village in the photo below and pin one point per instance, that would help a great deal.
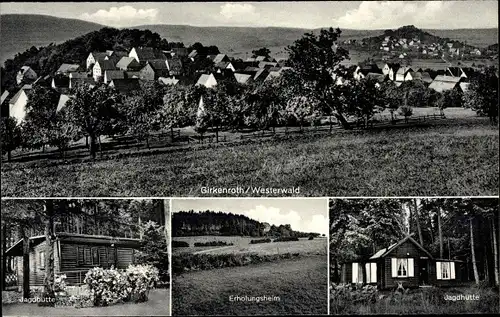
(125, 70)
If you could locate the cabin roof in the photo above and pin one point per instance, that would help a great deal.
(17, 248)
(384, 252)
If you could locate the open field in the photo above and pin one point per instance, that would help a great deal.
(418, 301)
(157, 305)
(447, 157)
(242, 245)
(300, 285)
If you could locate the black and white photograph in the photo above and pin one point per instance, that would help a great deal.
(429, 256)
(260, 99)
(78, 257)
(249, 257)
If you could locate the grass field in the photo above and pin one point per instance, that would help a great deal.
(157, 305)
(300, 285)
(242, 245)
(446, 157)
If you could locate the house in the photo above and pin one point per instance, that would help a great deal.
(75, 75)
(153, 70)
(94, 57)
(60, 82)
(425, 77)
(100, 67)
(193, 55)
(390, 66)
(361, 71)
(125, 85)
(261, 75)
(63, 99)
(179, 51)
(464, 72)
(267, 64)
(464, 86)
(74, 254)
(405, 262)
(109, 75)
(4, 110)
(225, 65)
(65, 69)
(116, 56)
(443, 82)
(243, 78)
(74, 82)
(401, 73)
(380, 78)
(18, 102)
(168, 81)
(26, 75)
(144, 54)
(208, 81)
(128, 63)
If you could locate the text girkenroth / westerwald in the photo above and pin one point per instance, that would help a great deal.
(250, 190)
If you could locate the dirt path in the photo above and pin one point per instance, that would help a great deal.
(215, 249)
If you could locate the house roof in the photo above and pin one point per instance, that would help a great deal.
(403, 70)
(376, 76)
(106, 65)
(78, 75)
(267, 64)
(464, 86)
(99, 55)
(454, 71)
(67, 68)
(168, 81)
(4, 96)
(203, 79)
(125, 85)
(273, 75)
(261, 74)
(174, 64)
(149, 53)
(181, 51)
(60, 82)
(114, 74)
(132, 74)
(77, 81)
(193, 54)
(62, 102)
(222, 65)
(384, 252)
(126, 62)
(219, 58)
(158, 64)
(242, 78)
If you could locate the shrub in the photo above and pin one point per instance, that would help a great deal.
(179, 244)
(60, 284)
(139, 280)
(260, 241)
(154, 250)
(212, 244)
(106, 286)
(311, 238)
(286, 239)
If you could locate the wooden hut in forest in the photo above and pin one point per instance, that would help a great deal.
(405, 262)
(74, 255)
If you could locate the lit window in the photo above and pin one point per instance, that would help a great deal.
(402, 266)
(41, 259)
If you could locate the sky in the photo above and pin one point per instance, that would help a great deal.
(305, 215)
(298, 14)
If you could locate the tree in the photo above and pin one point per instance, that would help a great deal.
(62, 132)
(177, 109)
(301, 107)
(261, 52)
(365, 99)
(40, 117)
(202, 118)
(315, 60)
(482, 95)
(93, 110)
(393, 97)
(11, 136)
(154, 249)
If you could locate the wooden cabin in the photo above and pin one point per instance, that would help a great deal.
(74, 255)
(406, 262)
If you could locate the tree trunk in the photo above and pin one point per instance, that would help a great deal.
(172, 133)
(440, 233)
(473, 253)
(4, 258)
(331, 124)
(9, 155)
(363, 269)
(87, 141)
(43, 148)
(346, 125)
(26, 263)
(93, 145)
(147, 141)
(217, 133)
(417, 218)
(48, 282)
(495, 248)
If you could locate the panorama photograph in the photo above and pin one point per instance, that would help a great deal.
(418, 256)
(249, 257)
(330, 98)
(76, 257)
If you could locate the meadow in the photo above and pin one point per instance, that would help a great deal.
(452, 157)
(416, 301)
(300, 284)
(242, 245)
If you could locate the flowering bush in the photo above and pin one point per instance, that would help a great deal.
(107, 286)
(60, 284)
(139, 280)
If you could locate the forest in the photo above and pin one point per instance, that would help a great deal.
(455, 228)
(191, 223)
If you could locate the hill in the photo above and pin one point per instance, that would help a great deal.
(19, 32)
(190, 223)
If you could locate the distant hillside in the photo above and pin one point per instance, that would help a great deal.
(190, 223)
(19, 32)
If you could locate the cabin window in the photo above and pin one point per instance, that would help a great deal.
(41, 259)
(402, 267)
(445, 270)
(87, 256)
(95, 256)
(371, 272)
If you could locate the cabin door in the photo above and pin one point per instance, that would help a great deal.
(423, 268)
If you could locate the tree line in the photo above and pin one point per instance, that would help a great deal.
(455, 228)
